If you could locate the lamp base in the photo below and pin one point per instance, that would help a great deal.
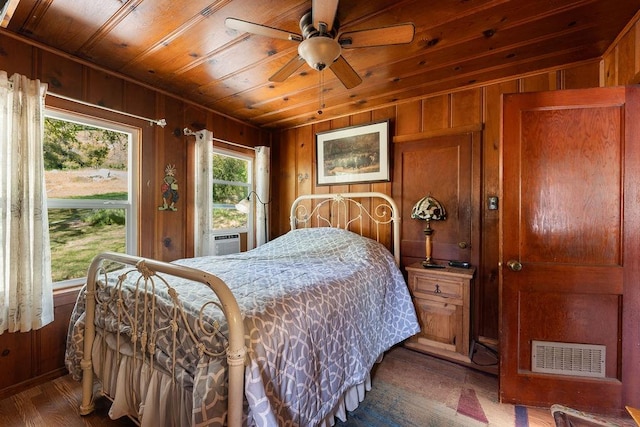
(429, 264)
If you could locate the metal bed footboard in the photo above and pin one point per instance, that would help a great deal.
(148, 271)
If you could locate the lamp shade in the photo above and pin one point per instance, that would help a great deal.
(319, 52)
(428, 209)
(243, 205)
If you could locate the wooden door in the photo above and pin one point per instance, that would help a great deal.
(447, 168)
(569, 224)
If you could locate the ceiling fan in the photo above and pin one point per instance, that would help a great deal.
(321, 44)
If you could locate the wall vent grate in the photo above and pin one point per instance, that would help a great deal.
(583, 360)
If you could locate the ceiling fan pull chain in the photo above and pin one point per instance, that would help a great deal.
(321, 94)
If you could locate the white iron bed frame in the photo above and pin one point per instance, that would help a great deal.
(324, 210)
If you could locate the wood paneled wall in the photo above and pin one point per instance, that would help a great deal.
(30, 357)
(477, 106)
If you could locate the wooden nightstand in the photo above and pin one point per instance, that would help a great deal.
(442, 300)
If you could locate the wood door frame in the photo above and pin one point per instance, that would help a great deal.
(631, 249)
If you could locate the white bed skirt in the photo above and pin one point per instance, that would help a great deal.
(150, 397)
(145, 394)
(349, 402)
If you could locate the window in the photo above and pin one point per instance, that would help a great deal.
(231, 182)
(90, 175)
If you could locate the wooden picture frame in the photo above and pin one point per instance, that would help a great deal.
(356, 154)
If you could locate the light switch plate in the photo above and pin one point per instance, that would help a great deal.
(493, 203)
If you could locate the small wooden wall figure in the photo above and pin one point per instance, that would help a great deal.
(169, 189)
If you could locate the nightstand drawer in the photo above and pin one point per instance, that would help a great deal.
(422, 286)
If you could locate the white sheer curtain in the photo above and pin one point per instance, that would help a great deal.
(26, 294)
(262, 190)
(203, 197)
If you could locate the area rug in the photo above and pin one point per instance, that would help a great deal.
(410, 389)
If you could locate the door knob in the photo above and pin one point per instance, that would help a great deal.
(463, 245)
(514, 265)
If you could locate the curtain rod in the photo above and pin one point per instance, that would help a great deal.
(160, 122)
(189, 132)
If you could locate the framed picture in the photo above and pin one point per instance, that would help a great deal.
(356, 154)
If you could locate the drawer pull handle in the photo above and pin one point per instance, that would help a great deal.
(437, 290)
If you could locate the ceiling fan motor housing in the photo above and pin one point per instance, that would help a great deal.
(319, 47)
(308, 30)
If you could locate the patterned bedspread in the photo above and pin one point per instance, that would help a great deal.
(319, 306)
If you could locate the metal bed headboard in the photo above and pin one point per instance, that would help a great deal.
(347, 211)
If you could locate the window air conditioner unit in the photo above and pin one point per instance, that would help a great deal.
(226, 244)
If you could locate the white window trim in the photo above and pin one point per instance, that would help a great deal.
(130, 206)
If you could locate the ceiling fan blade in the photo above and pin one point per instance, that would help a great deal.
(288, 69)
(345, 73)
(395, 34)
(261, 30)
(324, 11)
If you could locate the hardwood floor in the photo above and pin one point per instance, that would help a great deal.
(55, 403)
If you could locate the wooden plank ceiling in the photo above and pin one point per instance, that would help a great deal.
(184, 47)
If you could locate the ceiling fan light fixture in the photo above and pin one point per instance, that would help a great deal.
(319, 52)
